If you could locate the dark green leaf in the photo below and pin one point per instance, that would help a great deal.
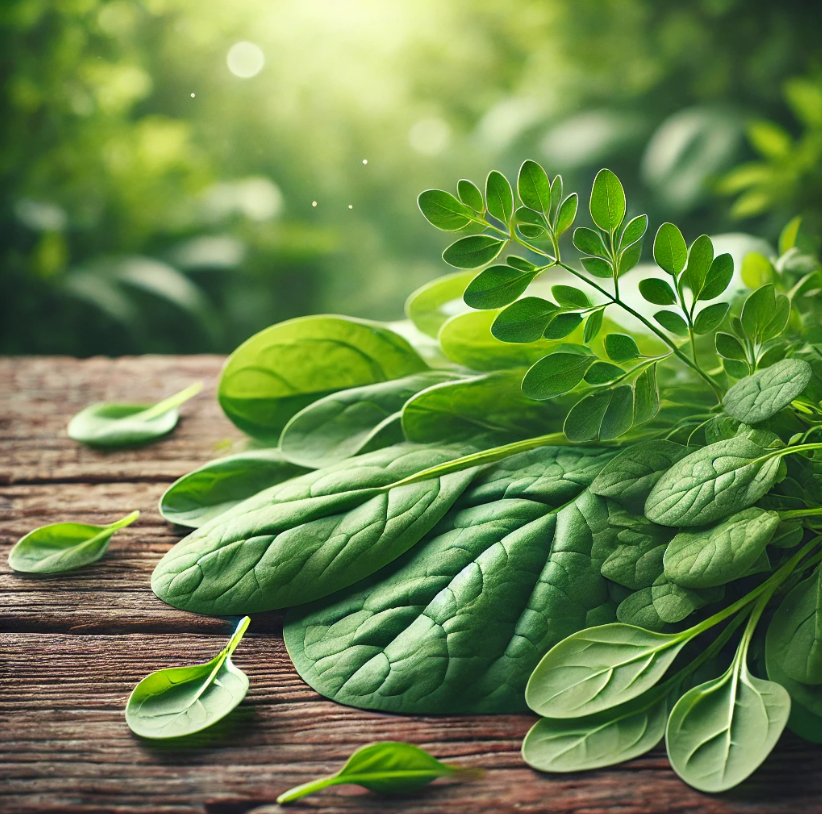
(779, 321)
(534, 187)
(758, 310)
(758, 397)
(736, 369)
(598, 267)
(621, 348)
(700, 257)
(524, 320)
(473, 251)
(520, 263)
(657, 291)
(670, 249)
(555, 374)
(470, 194)
(443, 210)
(589, 242)
(672, 322)
(180, 701)
(607, 201)
(646, 396)
(629, 258)
(729, 347)
(62, 547)
(719, 277)
(567, 214)
(603, 373)
(569, 297)
(496, 286)
(562, 325)
(593, 325)
(601, 416)
(499, 196)
(710, 318)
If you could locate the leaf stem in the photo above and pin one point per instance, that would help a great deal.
(170, 403)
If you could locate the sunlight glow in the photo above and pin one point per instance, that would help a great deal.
(245, 59)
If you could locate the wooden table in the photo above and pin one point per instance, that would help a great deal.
(74, 645)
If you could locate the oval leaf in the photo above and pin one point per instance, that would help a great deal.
(555, 374)
(524, 321)
(621, 348)
(499, 197)
(534, 187)
(607, 201)
(760, 396)
(496, 286)
(443, 210)
(657, 291)
(473, 251)
(670, 249)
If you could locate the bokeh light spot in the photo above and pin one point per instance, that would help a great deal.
(430, 136)
(245, 59)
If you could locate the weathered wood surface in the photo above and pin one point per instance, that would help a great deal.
(74, 645)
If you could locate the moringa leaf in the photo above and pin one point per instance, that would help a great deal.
(718, 279)
(646, 396)
(607, 201)
(62, 547)
(496, 286)
(562, 325)
(283, 369)
(621, 348)
(710, 318)
(590, 242)
(634, 230)
(603, 373)
(758, 397)
(567, 214)
(220, 485)
(555, 374)
(569, 296)
(672, 322)
(597, 266)
(700, 257)
(534, 188)
(524, 321)
(603, 415)
(729, 347)
(593, 325)
(389, 767)
(657, 291)
(499, 197)
(110, 424)
(469, 193)
(473, 252)
(670, 249)
(443, 210)
(180, 701)
(712, 556)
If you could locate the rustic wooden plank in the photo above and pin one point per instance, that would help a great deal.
(66, 747)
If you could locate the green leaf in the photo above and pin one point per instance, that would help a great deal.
(757, 270)
(713, 482)
(607, 201)
(110, 424)
(765, 314)
(790, 233)
(634, 231)
(779, 322)
(700, 258)
(630, 257)
(712, 556)
(589, 242)
(598, 267)
(710, 318)
(220, 485)
(657, 291)
(520, 263)
(638, 609)
(594, 741)
(646, 396)
(603, 373)
(719, 277)
(283, 369)
(758, 397)
(62, 547)
(670, 249)
(593, 325)
(353, 421)
(534, 187)
(524, 320)
(389, 767)
(570, 297)
(555, 374)
(562, 325)
(443, 210)
(736, 369)
(599, 669)
(621, 348)
(470, 195)
(282, 546)
(795, 633)
(500, 197)
(473, 251)
(729, 347)
(496, 286)
(556, 195)
(601, 416)
(180, 701)
(432, 305)
(674, 604)
(672, 322)
(721, 731)
(567, 214)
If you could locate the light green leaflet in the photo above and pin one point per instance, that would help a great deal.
(720, 732)
(713, 482)
(283, 369)
(353, 421)
(63, 546)
(430, 306)
(310, 536)
(716, 555)
(762, 395)
(603, 739)
(220, 485)
(109, 424)
(390, 767)
(183, 700)
(600, 668)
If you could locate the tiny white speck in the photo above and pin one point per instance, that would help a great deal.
(192, 95)
(350, 206)
(313, 203)
(365, 161)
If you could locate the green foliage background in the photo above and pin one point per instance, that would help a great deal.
(137, 217)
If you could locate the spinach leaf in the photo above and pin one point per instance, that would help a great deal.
(600, 668)
(637, 564)
(630, 476)
(713, 482)
(63, 546)
(360, 419)
(673, 603)
(432, 305)
(458, 623)
(795, 633)
(762, 395)
(389, 767)
(110, 424)
(603, 739)
(312, 535)
(712, 556)
(180, 701)
(720, 732)
(220, 485)
(491, 406)
(283, 369)
(638, 609)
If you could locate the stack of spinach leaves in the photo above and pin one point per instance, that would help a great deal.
(540, 494)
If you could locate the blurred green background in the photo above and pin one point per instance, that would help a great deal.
(178, 174)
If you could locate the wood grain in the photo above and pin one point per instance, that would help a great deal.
(73, 646)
